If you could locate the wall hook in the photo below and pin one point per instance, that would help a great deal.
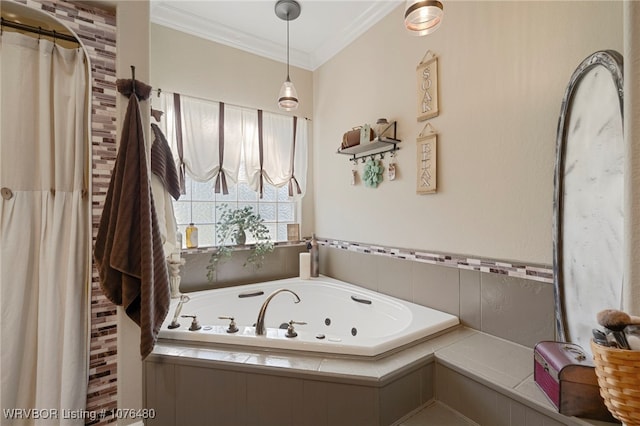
(133, 78)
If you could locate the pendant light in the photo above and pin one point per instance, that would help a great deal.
(288, 10)
(423, 17)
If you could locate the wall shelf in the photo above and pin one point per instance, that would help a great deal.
(378, 146)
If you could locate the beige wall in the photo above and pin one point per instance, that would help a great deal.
(182, 63)
(503, 70)
(132, 18)
(197, 67)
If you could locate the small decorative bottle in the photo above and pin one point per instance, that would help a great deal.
(192, 236)
(315, 257)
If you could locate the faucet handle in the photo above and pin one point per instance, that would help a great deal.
(291, 332)
(195, 325)
(232, 325)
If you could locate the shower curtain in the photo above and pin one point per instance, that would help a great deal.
(44, 230)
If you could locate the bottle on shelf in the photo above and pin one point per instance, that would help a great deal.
(192, 236)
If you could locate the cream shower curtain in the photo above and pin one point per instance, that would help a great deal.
(44, 229)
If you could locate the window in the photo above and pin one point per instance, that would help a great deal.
(200, 206)
(240, 144)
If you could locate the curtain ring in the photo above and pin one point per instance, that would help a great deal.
(7, 194)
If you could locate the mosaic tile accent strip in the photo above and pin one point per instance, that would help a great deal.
(97, 30)
(540, 273)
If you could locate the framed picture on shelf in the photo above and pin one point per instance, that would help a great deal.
(427, 87)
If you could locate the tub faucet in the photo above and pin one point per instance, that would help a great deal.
(260, 330)
(183, 299)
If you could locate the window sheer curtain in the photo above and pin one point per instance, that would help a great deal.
(44, 227)
(201, 142)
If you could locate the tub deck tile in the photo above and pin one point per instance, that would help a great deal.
(290, 362)
(215, 355)
(502, 362)
(393, 364)
(437, 414)
(508, 368)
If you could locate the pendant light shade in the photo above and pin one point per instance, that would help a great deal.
(287, 10)
(423, 17)
(288, 97)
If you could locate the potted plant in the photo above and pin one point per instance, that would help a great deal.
(233, 226)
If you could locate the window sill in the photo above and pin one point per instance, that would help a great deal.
(212, 249)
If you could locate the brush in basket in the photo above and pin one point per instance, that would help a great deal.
(618, 368)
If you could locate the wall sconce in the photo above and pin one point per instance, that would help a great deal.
(423, 17)
(287, 10)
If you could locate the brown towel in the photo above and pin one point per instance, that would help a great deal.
(128, 248)
(162, 164)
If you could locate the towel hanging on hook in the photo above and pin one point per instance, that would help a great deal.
(129, 86)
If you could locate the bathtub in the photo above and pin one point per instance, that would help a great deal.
(340, 318)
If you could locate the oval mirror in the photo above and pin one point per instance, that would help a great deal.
(588, 197)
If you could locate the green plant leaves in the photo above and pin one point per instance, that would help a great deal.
(231, 222)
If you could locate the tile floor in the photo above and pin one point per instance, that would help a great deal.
(437, 414)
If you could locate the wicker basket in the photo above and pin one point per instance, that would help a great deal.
(618, 372)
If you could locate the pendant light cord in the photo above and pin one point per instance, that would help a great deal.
(288, 79)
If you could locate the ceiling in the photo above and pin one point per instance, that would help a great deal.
(323, 29)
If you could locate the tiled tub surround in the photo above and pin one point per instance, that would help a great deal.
(279, 264)
(490, 296)
(487, 379)
(513, 269)
(497, 301)
(484, 374)
(517, 309)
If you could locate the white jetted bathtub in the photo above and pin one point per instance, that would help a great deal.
(340, 318)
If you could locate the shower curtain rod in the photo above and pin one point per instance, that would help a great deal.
(159, 91)
(38, 30)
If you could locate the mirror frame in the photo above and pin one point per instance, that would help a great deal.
(613, 62)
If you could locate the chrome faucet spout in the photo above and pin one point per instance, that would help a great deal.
(260, 329)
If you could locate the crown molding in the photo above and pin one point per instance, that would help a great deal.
(166, 15)
(342, 39)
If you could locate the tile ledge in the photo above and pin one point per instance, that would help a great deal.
(352, 369)
(376, 371)
(539, 404)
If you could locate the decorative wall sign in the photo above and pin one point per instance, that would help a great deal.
(426, 161)
(427, 87)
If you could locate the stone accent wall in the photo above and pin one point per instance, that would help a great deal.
(96, 28)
